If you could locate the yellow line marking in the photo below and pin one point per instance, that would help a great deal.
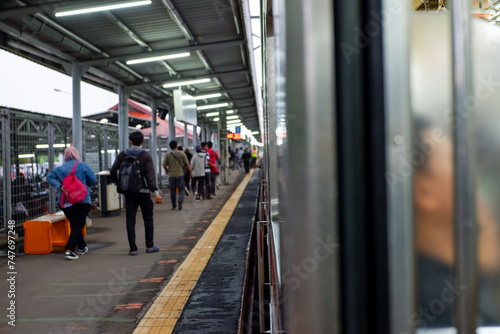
(167, 307)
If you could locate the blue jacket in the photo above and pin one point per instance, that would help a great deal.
(82, 172)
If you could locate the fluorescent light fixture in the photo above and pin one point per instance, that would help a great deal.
(109, 151)
(216, 119)
(212, 106)
(104, 120)
(210, 114)
(232, 117)
(255, 132)
(184, 83)
(20, 156)
(209, 96)
(147, 60)
(43, 146)
(229, 111)
(103, 8)
(233, 121)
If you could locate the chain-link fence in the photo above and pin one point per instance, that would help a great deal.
(32, 145)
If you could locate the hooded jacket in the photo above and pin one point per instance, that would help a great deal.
(198, 164)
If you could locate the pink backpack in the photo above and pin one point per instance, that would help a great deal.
(74, 190)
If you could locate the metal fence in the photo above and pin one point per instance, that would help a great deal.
(33, 144)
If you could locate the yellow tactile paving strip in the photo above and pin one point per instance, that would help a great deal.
(166, 309)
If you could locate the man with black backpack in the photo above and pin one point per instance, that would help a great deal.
(134, 174)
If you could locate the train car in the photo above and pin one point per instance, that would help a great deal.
(381, 167)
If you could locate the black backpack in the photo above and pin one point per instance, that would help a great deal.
(130, 178)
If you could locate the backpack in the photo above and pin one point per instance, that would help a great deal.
(74, 189)
(130, 178)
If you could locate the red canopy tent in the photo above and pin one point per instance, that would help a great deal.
(140, 111)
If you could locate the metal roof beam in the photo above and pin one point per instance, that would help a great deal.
(204, 76)
(137, 39)
(102, 61)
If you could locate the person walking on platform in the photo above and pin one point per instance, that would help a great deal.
(175, 164)
(142, 198)
(254, 156)
(246, 157)
(187, 177)
(208, 188)
(198, 164)
(76, 213)
(214, 170)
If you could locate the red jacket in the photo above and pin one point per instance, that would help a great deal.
(213, 160)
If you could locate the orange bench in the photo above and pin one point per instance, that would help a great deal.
(43, 234)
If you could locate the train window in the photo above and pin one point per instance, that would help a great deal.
(432, 159)
(484, 102)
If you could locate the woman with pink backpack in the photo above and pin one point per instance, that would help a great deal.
(72, 181)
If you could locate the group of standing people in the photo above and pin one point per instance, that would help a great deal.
(182, 167)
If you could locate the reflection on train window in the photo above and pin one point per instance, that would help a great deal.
(432, 161)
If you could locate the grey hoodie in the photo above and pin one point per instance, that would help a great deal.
(198, 163)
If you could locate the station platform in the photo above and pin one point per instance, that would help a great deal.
(194, 284)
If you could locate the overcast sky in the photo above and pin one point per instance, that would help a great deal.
(29, 86)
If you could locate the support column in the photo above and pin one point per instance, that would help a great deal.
(195, 136)
(7, 184)
(207, 132)
(202, 132)
(154, 136)
(223, 148)
(171, 126)
(123, 96)
(52, 191)
(105, 147)
(186, 141)
(76, 74)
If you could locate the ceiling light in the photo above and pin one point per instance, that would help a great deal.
(255, 132)
(232, 117)
(104, 120)
(138, 126)
(216, 119)
(233, 121)
(209, 96)
(165, 57)
(216, 113)
(212, 106)
(20, 156)
(229, 111)
(184, 83)
(103, 8)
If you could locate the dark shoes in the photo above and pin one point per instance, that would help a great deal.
(180, 205)
(153, 249)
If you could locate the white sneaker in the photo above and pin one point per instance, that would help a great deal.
(71, 256)
(186, 191)
(83, 251)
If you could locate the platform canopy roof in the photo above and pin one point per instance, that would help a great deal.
(213, 35)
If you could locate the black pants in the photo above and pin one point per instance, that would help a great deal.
(187, 179)
(208, 184)
(247, 166)
(132, 202)
(76, 214)
(201, 186)
(213, 178)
